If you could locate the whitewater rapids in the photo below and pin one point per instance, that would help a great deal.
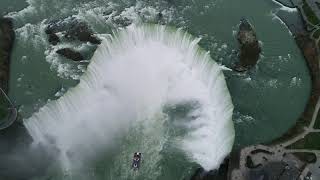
(134, 77)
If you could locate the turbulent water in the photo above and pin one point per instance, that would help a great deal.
(267, 100)
(141, 77)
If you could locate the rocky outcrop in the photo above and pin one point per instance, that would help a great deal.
(72, 30)
(82, 32)
(8, 113)
(53, 38)
(249, 47)
(221, 173)
(7, 37)
(70, 54)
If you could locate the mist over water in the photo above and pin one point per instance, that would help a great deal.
(139, 82)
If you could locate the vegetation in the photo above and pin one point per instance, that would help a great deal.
(316, 34)
(317, 123)
(311, 141)
(4, 105)
(3, 113)
(306, 157)
(312, 18)
(3, 108)
(318, 4)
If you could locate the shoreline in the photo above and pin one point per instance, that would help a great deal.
(9, 113)
(8, 37)
(283, 4)
(311, 54)
(277, 153)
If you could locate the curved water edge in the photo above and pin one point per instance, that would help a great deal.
(141, 77)
(262, 111)
(7, 37)
(280, 69)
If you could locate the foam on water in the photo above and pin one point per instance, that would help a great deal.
(131, 77)
(285, 8)
(276, 17)
(103, 16)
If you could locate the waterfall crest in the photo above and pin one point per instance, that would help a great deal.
(133, 76)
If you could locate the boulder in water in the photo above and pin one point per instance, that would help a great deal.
(70, 54)
(82, 32)
(73, 30)
(53, 39)
(249, 47)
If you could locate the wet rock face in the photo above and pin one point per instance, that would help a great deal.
(70, 54)
(201, 174)
(218, 174)
(71, 30)
(53, 39)
(7, 37)
(82, 32)
(249, 47)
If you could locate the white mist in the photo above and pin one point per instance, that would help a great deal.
(132, 75)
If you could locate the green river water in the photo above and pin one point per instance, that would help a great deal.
(267, 100)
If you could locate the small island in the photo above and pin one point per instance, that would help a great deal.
(249, 47)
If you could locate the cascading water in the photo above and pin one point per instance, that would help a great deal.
(132, 91)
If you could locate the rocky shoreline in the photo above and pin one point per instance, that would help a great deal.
(75, 30)
(275, 159)
(311, 55)
(13, 135)
(7, 38)
(8, 113)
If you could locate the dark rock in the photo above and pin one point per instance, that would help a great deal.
(53, 39)
(8, 113)
(52, 36)
(198, 174)
(220, 174)
(201, 174)
(70, 54)
(7, 37)
(74, 30)
(249, 47)
(56, 26)
(82, 32)
(122, 22)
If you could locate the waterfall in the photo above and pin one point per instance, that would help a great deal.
(140, 75)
